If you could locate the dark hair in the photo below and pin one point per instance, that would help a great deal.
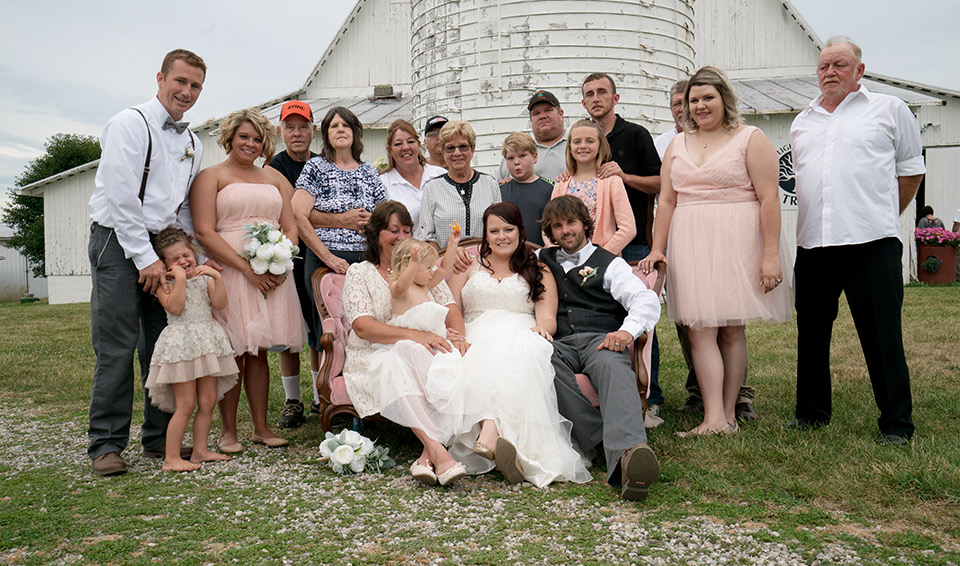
(926, 210)
(522, 261)
(566, 207)
(598, 76)
(188, 57)
(379, 220)
(170, 236)
(351, 119)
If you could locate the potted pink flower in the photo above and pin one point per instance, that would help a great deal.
(936, 255)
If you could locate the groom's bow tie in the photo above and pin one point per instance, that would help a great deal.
(169, 124)
(563, 257)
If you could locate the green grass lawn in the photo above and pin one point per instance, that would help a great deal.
(765, 496)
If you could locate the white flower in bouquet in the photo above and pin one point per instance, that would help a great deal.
(250, 247)
(259, 267)
(282, 253)
(351, 437)
(274, 236)
(343, 455)
(266, 252)
(366, 446)
(277, 268)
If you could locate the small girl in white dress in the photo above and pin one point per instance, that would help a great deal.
(414, 273)
(193, 362)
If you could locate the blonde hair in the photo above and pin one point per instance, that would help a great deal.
(458, 128)
(603, 152)
(401, 125)
(252, 116)
(711, 76)
(403, 252)
(519, 141)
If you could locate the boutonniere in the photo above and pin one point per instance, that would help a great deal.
(587, 273)
(188, 153)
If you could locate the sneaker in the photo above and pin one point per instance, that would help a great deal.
(892, 440)
(292, 414)
(691, 405)
(109, 464)
(315, 410)
(652, 419)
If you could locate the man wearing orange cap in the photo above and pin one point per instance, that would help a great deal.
(297, 129)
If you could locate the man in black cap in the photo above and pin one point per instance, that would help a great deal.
(431, 139)
(546, 118)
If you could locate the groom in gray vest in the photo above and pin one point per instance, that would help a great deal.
(602, 308)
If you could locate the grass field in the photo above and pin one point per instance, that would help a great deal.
(765, 496)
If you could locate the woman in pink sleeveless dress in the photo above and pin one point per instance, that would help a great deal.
(262, 311)
(720, 212)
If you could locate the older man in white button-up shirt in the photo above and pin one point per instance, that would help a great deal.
(132, 200)
(858, 163)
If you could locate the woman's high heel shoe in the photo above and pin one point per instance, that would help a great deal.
(482, 449)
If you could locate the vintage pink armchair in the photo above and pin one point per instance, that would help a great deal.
(334, 400)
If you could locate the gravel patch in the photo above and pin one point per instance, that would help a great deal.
(391, 517)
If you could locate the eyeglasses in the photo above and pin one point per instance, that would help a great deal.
(464, 148)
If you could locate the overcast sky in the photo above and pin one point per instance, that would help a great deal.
(67, 66)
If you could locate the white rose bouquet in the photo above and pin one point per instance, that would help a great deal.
(268, 249)
(351, 452)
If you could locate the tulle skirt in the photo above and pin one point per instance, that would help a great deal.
(714, 251)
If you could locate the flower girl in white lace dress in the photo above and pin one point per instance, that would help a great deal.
(193, 363)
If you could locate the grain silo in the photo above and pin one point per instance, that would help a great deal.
(480, 60)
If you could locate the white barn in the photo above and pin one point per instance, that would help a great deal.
(16, 274)
(479, 60)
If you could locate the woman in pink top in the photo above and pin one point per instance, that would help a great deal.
(606, 199)
(719, 206)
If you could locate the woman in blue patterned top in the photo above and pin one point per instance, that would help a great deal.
(335, 194)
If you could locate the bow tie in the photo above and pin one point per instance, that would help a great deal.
(563, 257)
(169, 124)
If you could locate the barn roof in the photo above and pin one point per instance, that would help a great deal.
(789, 95)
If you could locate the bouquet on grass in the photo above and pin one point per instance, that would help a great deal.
(268, 249)
(351, 452)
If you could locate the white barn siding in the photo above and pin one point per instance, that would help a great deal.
(372, 48)
(751, 38)
(16, 276)
(942, 182)
(67, 232)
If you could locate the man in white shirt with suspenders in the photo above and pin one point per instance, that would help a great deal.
(149, 158)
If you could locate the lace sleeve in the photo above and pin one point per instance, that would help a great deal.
(441, 294)
(357, 301)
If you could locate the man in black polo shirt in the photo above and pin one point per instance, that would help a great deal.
(297, 129)
(636, 161)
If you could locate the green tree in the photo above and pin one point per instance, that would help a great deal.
(24, 214)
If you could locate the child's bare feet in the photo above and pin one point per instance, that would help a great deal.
(178, 465)
(207, 456)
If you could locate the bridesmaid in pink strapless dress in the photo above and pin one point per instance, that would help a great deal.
(719, 208)
(262, 311)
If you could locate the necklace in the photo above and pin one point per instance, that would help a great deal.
(705, 144)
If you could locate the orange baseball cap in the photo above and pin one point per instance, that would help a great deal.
(297, 108)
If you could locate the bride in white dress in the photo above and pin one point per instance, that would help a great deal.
(503, 385)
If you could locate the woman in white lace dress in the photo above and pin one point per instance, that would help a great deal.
(366, 304)
(505, 379)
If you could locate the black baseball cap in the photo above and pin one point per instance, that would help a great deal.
(543, 96)
(434, 122)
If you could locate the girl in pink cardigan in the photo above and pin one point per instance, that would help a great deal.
(606, 199)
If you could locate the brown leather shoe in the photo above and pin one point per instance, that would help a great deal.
(109, 464)
(638, 469)
(745, 412)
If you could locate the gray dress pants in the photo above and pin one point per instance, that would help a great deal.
(618, 423)
(123, 319)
